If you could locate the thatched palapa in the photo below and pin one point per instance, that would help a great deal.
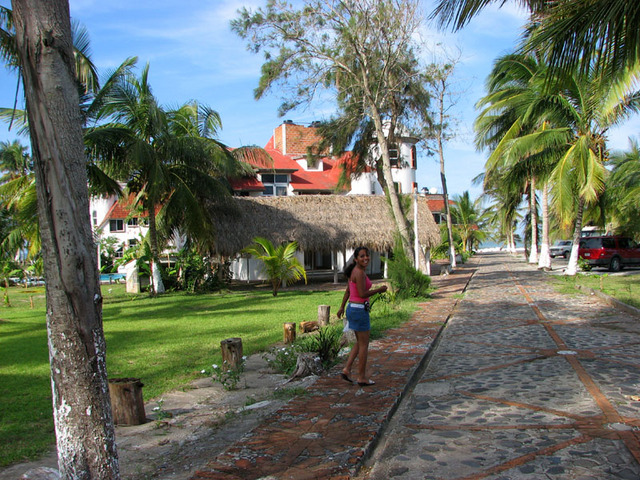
(318, 223)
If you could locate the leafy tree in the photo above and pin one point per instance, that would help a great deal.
(81, 407)
(439, 78)
(362, 50)
(281, 264)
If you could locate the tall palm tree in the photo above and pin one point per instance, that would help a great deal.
(514, 124)
(170, 168)
(592, 104)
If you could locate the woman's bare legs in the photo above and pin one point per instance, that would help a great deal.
(352, 356)
(363, 352)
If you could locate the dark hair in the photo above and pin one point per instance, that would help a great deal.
(349, 268)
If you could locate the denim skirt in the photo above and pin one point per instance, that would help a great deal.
(358, 318)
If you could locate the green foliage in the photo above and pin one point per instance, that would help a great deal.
(194, 273)
(325, 342)
(281, 264)
(584, 265)
(407, 282)
(228, 376)
(282, 359)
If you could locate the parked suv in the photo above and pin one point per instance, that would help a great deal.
(609, 251)
(562, 248)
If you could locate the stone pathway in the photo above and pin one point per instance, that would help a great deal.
(327, 433)
(525, 383)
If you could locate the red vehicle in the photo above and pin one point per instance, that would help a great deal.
(613, 252)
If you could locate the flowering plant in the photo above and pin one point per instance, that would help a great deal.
(228, 376)
(282, 359)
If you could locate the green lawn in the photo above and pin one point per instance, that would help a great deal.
(165, 341)
(625, 288)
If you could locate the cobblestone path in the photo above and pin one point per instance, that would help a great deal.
(524, 383)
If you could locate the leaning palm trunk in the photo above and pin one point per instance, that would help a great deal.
(77, 351)
(544, 261)
(572, 268)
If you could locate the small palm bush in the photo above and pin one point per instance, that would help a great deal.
(281, 264)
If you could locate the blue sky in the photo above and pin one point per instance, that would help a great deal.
(194, 55)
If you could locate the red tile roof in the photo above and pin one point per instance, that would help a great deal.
(298, 138)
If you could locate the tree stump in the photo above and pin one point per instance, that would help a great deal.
(323, 315)
(306, 327)
(231, 353)
(127, 405)
(306, 364)
(289, 332)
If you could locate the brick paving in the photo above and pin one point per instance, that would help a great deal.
(328, 433)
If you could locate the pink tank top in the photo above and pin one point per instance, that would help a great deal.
(353, 291)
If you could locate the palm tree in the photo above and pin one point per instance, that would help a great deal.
(514, 123)
(281, 264)
(592, 104)
(578, 35)
(622, 193)
(466, 214)
(170, 162)
(18, 198)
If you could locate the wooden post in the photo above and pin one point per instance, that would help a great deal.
(127, 405)
(289, 332)
(231, 353)
(323, 315)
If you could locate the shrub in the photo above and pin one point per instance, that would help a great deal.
(326, 343)
(282, 359)
(407, 282)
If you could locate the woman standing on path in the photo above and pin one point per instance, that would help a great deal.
(358, 292)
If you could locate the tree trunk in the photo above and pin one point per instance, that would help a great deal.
(231, 349)
(156, 273)
(545, 255)
(572, 267)
(289, 332)
(533, 213)
(77, 351)
(396, 208)
(443, 178)
(127, 403)
(323, 315)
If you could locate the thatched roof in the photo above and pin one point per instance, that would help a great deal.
(317, 222)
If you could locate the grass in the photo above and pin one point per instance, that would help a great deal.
(165, 341)
(623, 288)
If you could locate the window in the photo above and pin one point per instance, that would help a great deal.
(275, 184)
(132, 222)
(414, 157)
(116, 225)
(119, 252)
(94, 216)
(394, 155)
